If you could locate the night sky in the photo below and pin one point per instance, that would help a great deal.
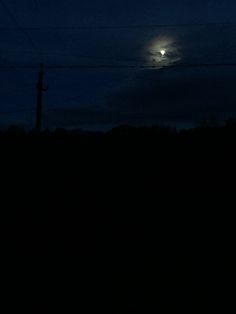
(118, 33)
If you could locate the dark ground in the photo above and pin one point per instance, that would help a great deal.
(132, 221)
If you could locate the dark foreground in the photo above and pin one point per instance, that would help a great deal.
(132, 221)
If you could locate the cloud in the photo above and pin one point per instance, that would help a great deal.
(166, 44)
(184, 95)
(165, 96)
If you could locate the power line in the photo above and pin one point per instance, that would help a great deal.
(16, 111)
(74, 55)
(5, 60)
(125, 59)
(112, 66)
(120, 27)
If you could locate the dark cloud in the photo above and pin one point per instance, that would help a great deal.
(184, 95)
(163, 96)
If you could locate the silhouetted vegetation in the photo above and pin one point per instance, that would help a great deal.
(124, 196)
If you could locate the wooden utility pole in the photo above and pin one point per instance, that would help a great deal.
(40, 90)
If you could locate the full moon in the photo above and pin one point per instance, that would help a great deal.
(163, 52)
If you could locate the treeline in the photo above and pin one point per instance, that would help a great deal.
(146, 140)
(124, 168)
(154, 207)
(15, 131)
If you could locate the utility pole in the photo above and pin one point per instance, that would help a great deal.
(40, 90)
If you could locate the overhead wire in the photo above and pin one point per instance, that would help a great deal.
(29, 38)
(74, 55)
(16, 111)
(120, 27)
(113, 66)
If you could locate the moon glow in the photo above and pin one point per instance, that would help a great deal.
(162, 51)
